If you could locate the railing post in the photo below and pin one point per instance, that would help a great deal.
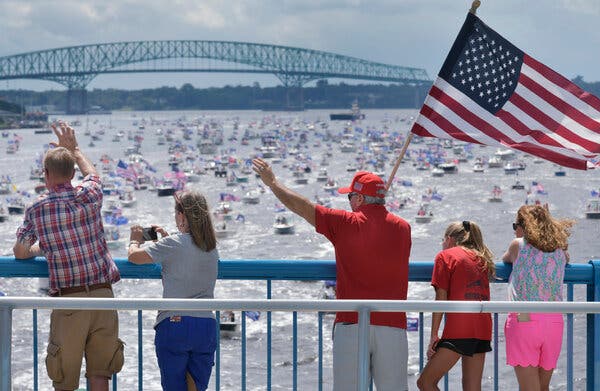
(5, 349)
(364, 318)
(593, 331)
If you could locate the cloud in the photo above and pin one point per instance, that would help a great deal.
(412, 33)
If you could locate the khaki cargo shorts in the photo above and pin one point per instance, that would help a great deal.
(75, 333)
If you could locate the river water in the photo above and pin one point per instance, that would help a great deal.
(464, 196)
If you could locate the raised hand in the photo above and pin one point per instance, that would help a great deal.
(65, 135)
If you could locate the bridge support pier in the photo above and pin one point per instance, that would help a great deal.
(294, 98)
(76, 101)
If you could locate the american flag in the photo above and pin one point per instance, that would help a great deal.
(490, 92)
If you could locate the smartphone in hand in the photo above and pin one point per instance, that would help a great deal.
(150, 234)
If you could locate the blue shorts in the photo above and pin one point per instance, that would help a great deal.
(185, 344)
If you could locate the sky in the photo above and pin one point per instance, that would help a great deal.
(562, 34)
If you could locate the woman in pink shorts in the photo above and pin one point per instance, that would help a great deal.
(539, 256)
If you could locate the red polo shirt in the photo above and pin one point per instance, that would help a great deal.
(372, 247)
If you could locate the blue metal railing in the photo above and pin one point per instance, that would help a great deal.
(269, 270)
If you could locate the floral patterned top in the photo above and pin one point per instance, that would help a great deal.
(536, 275)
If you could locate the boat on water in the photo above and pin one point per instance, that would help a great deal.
(423, 215)
(331, 185)
(448, 167)
(510, 168)
(353, 115)
(42, 131)
(478, 167)
(518, 186)
(496, 195)
(223, 211)
(322, 176)
(229, 326)
(127, 198)
(15, 206)
(3, 214)
(165, 189)
(251, 197)
(505, 154)
(437, 172)
(222, 230)
(283, 225)
(113, 236)
(495, 162)
(592, 209)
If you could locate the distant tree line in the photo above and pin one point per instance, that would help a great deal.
(322, 95)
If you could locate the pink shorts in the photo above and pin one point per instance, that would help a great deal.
(536, 342)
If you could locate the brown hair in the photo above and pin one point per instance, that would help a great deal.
(60, 161)
(195, 208)
(467, 234)
(543, 231)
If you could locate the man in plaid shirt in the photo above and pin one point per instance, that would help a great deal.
(65, 225)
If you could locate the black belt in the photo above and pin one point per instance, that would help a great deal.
(82, 288)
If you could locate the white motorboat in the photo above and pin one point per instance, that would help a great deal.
(3, 214)
(165, 189)
(222, 230)
(423, 215)
(331, 185)
(113, 236)
(223, 211)
(437, 172)
(511, 168)
(229, 326)
(322, 176)
(478, 167)
(283, 225)
(128, 198)
(251, 197)
(449, 167)
(15, 206)
(496, 195)
(592, 209)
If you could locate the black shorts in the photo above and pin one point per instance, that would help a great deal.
(465, 346)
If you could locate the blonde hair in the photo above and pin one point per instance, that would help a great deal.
(195, 208)
(60, 161)
(467, 234)
(543, 231)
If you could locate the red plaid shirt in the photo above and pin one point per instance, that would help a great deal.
(68, 224)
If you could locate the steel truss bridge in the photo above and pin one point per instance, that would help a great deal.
(76, 66)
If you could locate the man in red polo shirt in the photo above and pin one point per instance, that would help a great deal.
(372, 248)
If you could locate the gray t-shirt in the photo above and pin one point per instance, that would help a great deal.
(187, 272)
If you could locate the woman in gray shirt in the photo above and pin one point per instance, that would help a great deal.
(185, 341)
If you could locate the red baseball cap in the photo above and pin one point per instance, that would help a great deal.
(365, 183)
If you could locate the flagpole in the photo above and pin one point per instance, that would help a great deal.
(398, 161)
(474, 5)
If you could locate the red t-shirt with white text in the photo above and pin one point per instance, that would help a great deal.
(463, 275)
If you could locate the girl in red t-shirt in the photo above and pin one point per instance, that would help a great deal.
(461, 272)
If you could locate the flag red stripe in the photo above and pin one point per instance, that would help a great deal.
(420, 131)
(522, 129)
(562, 82)
(550, 124)
(559, 104)
(555, 157)
(489, 130)
(446, 125)
(467, 115)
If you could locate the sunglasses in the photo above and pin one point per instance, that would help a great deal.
(515, 225)
(350, 195)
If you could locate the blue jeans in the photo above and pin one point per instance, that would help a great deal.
(185, 344)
